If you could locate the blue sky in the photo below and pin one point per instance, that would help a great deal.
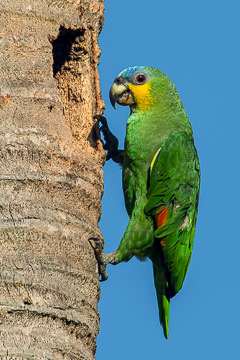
(197, 45)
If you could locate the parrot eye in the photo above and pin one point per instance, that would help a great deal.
(140, 79)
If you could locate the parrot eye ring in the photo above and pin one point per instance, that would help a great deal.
(139, 77)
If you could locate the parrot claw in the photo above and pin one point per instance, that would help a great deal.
(103, 259)
(111, 141)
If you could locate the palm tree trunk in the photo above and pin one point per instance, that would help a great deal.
(51, 178)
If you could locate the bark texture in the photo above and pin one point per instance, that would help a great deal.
(51, 179)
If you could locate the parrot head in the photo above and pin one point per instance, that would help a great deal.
(140, 87)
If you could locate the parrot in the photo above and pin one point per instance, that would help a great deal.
(161, 180)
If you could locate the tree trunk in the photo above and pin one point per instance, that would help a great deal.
(51, 178)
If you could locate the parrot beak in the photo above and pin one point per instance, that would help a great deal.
(120, 93)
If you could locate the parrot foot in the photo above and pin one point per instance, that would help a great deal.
(103, 259)
(111, 141)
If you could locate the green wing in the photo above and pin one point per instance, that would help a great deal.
(173, 190)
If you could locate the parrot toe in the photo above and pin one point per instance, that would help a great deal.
(111, 141)
(102, 259)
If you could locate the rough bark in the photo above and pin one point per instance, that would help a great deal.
(51, 179)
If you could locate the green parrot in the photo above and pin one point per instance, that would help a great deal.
(161, 180)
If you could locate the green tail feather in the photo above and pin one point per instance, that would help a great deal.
(163, 300)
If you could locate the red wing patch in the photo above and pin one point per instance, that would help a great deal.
(161, 217)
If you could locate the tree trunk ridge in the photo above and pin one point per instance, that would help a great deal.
(51, 178)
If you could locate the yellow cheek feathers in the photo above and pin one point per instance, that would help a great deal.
(142, 96)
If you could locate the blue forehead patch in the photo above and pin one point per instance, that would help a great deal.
(127, 73)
